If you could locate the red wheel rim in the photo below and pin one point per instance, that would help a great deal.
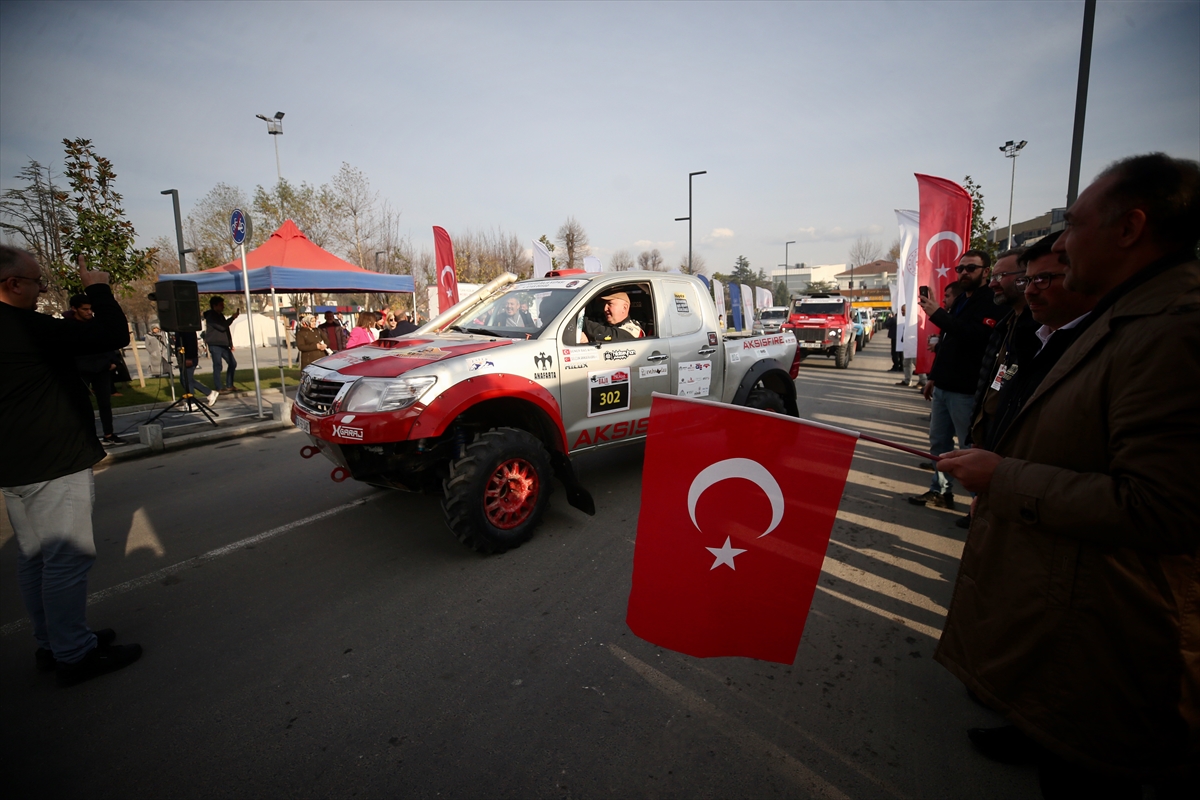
(511, 494)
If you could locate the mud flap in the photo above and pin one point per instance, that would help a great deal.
(577, 496)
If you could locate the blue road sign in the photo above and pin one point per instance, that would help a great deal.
(237, 226)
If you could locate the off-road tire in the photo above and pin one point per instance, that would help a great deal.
(497, 492)
(859, 343)
(841, 358)
(766, 400)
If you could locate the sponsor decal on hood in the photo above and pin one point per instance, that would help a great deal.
(375, 361)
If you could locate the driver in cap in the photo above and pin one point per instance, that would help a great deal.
(617, 325)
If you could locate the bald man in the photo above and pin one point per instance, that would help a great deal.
(617, 326)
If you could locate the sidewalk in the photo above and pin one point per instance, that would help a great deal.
(236, 416)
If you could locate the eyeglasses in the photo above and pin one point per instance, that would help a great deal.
(1000, 275)
(961, 268)
(1041, 281)
(41, 282)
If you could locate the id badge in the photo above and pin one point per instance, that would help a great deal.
(999, 380)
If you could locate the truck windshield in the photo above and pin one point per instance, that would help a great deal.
(522, 311)
(819, 307)
(774, 315)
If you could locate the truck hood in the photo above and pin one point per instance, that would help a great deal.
(815, 319)
(391, 358)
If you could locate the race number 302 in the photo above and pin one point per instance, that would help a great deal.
(608, 391)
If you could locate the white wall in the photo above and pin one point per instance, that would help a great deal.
(264, 331)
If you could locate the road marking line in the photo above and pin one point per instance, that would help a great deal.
(735, 729)
(911, 624)
(158, 575)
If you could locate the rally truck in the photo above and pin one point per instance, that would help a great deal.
(822, 324)
(488, 402)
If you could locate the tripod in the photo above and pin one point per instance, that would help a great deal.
(187, 399)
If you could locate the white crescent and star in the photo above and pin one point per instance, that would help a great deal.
(948, 236)
(749, 470)
(447, 271)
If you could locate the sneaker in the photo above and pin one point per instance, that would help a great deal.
(99, 661)
(932, 499)
(926, 465)
(212, 398)
(903, 383)
(45, 658)
(111, 440)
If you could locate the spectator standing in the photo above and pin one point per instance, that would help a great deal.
(220, 342)
(189, 342)
(158, 351)
(897, 356)
(97, 370)
(964, 332)
(1076, 611)
(387, 325)
(362, 330)
(405, 325)
(46, 417)
(334, 332)
(309, 342)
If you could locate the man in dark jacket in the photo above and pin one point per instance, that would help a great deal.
(97, 370)
(965, 330)
(220, 342)
(46, 418)
(405, 325)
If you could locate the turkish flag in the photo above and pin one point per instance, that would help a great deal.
(447, 278)
(737, 506)
(945, 236)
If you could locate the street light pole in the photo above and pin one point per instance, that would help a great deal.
(178, 229)
(787, 286)
(689, 216)
(275, 128)
(1010, 150)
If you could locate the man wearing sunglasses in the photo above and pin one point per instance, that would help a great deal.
(965, 329)
(1076, 612)
(50, 446)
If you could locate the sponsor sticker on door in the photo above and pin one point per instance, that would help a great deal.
(608, 392)
(695, 377)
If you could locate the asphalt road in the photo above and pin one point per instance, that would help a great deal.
(367, 654)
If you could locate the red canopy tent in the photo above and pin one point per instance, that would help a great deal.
(289, 247)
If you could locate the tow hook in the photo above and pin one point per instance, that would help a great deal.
(308, 451)
(339, 474)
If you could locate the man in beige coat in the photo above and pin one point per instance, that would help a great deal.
(1076, 612)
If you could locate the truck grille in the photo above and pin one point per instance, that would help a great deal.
(809, 334)
(317, 396)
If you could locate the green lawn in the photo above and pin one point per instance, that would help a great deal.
(157, 390)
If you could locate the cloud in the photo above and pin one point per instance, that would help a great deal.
(646, 244)
(836, 234)
(718, 237)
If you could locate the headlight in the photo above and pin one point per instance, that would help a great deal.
(836, 333)
(374, 394)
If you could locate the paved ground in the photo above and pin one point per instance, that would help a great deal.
(367, 654)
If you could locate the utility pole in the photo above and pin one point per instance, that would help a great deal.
(1085, 66)
(178, 229)
(1010, 150)
(689, 216)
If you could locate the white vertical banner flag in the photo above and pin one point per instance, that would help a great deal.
(747, 306)
(762, 297)
(543, 264)
(894, 293)
(592, 264)
(906, 275)
(719, 301)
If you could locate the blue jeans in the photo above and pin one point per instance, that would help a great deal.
(53, 524)
(221, 353)
(192, 384)
(950, 418)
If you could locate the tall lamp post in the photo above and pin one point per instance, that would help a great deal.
(275, 128)
(178, 229)
(689, 216)
(787, 286)
(1010, 150)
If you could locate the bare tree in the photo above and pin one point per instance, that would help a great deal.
(697, 267)
(621, 261)
(574, 242)
(864, 251)
(207, 226)
(35, 217)
(353, 226)
(651, 259)
(893, 252)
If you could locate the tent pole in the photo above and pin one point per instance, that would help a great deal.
(278, 352)
(250, 327)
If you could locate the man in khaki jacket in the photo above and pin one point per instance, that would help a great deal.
(1076, 612)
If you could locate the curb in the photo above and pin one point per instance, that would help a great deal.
(174, 443)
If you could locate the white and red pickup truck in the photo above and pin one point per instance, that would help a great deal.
(486, 406)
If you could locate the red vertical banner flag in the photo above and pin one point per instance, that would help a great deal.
(737, 507)
(945, 235)
(447, 278)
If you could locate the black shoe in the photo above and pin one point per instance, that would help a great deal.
(111, 440)
(963, 522)
(99, 661)
(1006, 745)
(45, 658)
(932, 499)
(926, 465)
(903, 383)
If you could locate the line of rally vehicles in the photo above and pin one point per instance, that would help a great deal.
(486, 409)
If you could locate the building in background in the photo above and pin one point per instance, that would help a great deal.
(800, 276)
(1027, 232)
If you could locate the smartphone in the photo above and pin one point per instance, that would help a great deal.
(924, 290)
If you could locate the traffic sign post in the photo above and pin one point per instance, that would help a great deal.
(242, 229)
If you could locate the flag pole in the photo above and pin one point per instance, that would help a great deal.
(914, 451)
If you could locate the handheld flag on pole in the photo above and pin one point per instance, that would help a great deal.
(447, 277)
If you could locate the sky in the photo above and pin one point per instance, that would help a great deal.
(810, 118)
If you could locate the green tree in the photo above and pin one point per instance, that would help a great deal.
(100, 233)
(314, 210)
(781, 294)
(207, 227)
(980, 226)
(549, 245)
(742, 272)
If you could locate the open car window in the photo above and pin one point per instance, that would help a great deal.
(521, 311)
(641, 308)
